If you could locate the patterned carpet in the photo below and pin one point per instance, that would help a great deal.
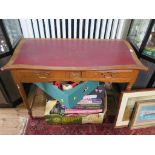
(38, 126)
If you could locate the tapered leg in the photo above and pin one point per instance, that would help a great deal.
(23, 95)
(129, 86)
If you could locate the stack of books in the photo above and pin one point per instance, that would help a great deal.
(90, 109)
(86, 106)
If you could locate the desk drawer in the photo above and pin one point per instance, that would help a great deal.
(47, 76)
(108, 75)
(29, 75)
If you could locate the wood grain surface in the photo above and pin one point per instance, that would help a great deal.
(13, 120)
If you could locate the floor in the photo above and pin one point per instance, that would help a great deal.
(13, 120)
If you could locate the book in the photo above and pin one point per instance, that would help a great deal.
(58, 119)
(90, 101)
(89, 96)
(88, 106)
(70, 118)
(80, 111)
(99, 91)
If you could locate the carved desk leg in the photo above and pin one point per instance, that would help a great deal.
(23, 95)
(133, 79)
(21, 91)
(129, 86)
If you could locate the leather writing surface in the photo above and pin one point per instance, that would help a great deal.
(74, 53)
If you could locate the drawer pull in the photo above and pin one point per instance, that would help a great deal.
(42, 74)
(108, 75)
(42, 77)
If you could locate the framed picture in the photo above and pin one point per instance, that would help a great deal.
(127, 104)
(144, 115)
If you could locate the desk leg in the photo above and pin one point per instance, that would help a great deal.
(129, 86)
(23, 95)
(133, 79)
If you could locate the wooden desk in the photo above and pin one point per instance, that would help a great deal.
(46, 60)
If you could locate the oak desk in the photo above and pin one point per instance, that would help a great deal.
(46, 60)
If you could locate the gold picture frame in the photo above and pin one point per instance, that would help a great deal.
(143, 115)
(127, 103)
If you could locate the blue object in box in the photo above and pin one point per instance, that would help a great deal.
(68, 97)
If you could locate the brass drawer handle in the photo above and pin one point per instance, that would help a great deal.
(42, 77)
(41, 73)
(106, 75)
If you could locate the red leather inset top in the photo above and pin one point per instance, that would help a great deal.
(74, 53)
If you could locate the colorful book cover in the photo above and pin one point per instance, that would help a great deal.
(54, 107)
(99, 91)
(93, 118)
(73, 118)
(58, 119)
(49, 105)
(88, 106)
(90, 101)
(80, 111)
(89, 96)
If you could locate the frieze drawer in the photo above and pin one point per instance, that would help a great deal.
(108, 75)
(41, 75)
